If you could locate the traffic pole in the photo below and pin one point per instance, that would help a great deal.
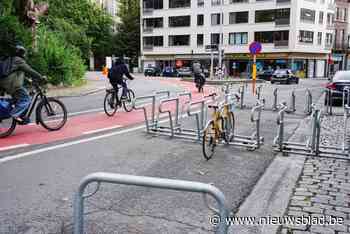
(254, 73)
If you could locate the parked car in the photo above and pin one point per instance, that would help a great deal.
(265, 75)
(284, 76)
(340, 80)
(184, 72)
(170, 72)
(152, 71)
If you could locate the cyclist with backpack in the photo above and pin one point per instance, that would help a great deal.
(12, 74)
(115, 75)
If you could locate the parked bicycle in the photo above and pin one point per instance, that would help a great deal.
(112, 101)
(219, 129)
(50, 112)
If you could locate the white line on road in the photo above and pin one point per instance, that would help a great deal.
(13, 147)
(102, 129)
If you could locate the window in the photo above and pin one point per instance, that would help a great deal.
(179, 40)
(319, 38)
(281, 36)
(200, 39)
(179, 3)
(330, 19)
(153, 4)
(215, 2)
(320, 17)
(307, 15)
(264, 16)
(153, 41)
(153, 23)
(238, 17)
(345, 18)
(264, 37)
(306, 36)
(282, 16)
(180, 21)
(337, 13)
(200, 3)
(238, 1)
(200, 20)
(215, 38)
(240, 38)
(329, 39)
(215, 19)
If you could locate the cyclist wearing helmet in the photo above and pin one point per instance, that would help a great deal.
(13, 84)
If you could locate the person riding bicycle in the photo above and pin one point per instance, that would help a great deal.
(115, 75)
(199, 78)
(13, 84)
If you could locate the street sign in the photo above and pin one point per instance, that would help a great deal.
(212, 47)
(255, 48)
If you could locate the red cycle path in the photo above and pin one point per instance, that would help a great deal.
(78, 125)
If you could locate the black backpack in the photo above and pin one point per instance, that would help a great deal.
(6, 67)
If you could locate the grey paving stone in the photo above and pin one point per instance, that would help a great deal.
(297, 213)
(300, 203)
(300, 198)
(339, 228)
(303, 193)
(295, 208)
(301, 232)
(313, 209)
(335, 213)
(321, 229)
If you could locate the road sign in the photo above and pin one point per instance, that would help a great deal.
(255, 48)
(212, 47)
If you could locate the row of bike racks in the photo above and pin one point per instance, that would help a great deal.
(312, 147)
(150, 182)
(330, 100)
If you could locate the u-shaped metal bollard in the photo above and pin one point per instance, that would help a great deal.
(275, 100)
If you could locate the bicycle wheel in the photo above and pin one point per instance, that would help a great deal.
(127, 104)
(110, 103)
(229, 127)
(52, 114)
(7, 126)
(209, 141)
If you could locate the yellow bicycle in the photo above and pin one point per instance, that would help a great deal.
(219, 129)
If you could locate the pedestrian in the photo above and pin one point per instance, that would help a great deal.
(13, 83)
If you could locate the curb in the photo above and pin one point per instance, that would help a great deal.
(220, 82)
(86, 93)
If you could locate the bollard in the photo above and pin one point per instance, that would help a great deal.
(274, 106)
(258, 91)
(292, 105)
(308, 102)
(257, 109)
(241, 92)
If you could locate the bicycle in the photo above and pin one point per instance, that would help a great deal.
(50, 112)
(219, 129)
(112, 101)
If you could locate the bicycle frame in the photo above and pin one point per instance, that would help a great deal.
(38, 95)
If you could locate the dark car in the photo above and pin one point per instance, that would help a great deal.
(265, 75)
(184, 72)
(284, 76)
(340, 80)
(170, 72)
(152, 71)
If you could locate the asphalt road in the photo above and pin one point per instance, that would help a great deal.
(38, 182)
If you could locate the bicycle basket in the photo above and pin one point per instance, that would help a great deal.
(5, 109)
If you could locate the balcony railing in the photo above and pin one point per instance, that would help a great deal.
(283, 43)
(148, 29)
(282, 22)
(283, 1)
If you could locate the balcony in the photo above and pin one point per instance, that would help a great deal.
(283, 43)
(282, 22)
(282, 1)
(148, 47)
(148, 30)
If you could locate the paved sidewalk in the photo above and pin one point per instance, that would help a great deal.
(323, 189)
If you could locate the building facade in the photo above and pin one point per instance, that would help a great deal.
(297, 34)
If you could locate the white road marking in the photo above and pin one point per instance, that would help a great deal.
(102, 129)
(13, 147)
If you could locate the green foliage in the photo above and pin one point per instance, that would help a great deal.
(12, 33)
(55, 58)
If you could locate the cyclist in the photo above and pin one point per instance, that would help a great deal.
(115, 75)
(199, 78)
(13, 84)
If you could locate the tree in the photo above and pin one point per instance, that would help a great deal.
(127, 40)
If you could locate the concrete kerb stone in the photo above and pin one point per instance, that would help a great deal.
(224, 81)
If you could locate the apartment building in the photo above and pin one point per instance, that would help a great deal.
(297, 34)
(341, 39)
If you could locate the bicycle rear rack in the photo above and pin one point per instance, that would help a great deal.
(150, 182)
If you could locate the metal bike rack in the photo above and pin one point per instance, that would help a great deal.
(241, 90)
(149, 182)
(258, 92)
(308, 109)
(275, 96)
(312, 147)
(292, 107)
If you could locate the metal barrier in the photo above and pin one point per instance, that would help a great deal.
(150, 182)
(312, 147)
